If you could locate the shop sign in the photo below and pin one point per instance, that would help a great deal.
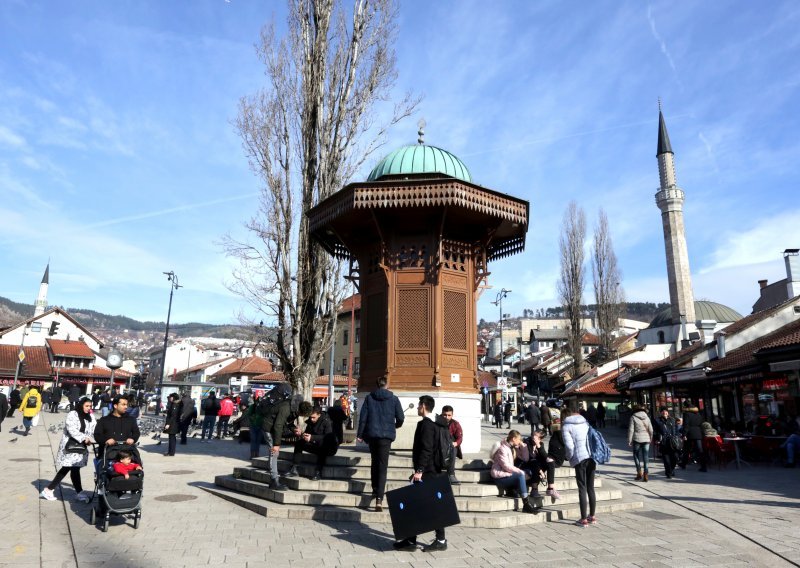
(647, 383)
(775, 384)
(693, 375)
(785, 366)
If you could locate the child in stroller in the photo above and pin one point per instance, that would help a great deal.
(119, 492)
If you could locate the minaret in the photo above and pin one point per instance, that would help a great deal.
(41, 299)
(670, 200)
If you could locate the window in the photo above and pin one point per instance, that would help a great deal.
(345, 336)
(358, 334)
(36, 327)
(356, 365)
(344, 366)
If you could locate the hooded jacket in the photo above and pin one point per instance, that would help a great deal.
(640, 429)
(576, 439)
(381, 415)
(33, 411)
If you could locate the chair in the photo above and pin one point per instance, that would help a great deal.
(721, 452)
(763, 449)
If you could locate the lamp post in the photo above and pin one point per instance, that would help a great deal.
(173, 279)
(499, 302)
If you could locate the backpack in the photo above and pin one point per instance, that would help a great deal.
(33, 401)
(278, 394)
(442, 448)
(598, 449)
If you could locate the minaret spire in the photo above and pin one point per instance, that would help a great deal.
(670, 201)
(41, 300)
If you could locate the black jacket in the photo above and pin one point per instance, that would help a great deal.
(74, 394)
(322, 433)
(188, 411)
(664, 429)
(691, 426)
(544, 414)
(534, 415)
(15, 399)
(3, 406)
(120, 428)
(173, 417)
(424, 442)
(210, 406)
(380, 416)
(275, 420)
(556, 448)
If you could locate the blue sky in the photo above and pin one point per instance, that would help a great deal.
(118, 159)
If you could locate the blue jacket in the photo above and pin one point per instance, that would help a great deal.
(380, 416)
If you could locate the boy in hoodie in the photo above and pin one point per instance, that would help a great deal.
(30, 407)
(576, 445)
(424, 466)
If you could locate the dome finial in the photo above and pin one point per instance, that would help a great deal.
(421, 132)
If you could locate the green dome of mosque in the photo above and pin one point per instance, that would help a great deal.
(703, 310)
(420, 159)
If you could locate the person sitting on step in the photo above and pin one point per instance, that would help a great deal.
(318, 439)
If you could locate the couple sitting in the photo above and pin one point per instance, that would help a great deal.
(518, 463)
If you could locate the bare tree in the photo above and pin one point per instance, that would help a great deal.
(305, 134)
(608, 291)
(571, 281)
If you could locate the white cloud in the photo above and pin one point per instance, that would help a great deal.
(10, 138)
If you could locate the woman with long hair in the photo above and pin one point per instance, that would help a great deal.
(505, 474)
(73, 451)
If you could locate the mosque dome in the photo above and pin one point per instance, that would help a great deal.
(703, 310)
(420, 159)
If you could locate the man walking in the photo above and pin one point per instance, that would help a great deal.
(210, 407)
(74, 395)
(534, 417)
(693, 434)
(117, 427)
(380, 416)
(14, 400)
(188, 413)
(55, 400)
(425, 467)
(576, 446)
(225, 412)
(546, 418)
(457, 434)
(3, 408)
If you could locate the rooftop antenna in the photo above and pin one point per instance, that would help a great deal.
(421, 131)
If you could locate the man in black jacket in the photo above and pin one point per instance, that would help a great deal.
(210, 407)
(55, 400)
(693, 435)
(534, 417)
(318, 439)
(14, 400)
(188, 414)
(3, 407)
(425, 466)
(117, 427)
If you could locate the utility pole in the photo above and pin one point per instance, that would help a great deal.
(173, 279)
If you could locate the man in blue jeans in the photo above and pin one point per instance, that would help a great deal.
(210, 408)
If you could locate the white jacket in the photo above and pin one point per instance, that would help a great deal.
(576, 439)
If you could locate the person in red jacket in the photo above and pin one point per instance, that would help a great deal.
(124, 466)
(458, 435)
(225, 412)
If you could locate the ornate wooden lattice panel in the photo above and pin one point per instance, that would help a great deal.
(413, 319)
(409, 256)
(455, 255)
(455, 317)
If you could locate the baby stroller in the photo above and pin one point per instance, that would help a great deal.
(115, 494)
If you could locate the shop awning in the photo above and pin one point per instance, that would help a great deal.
(646, 383)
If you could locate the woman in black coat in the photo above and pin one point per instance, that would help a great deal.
(171, 421)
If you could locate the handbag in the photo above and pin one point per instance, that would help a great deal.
(73, 446)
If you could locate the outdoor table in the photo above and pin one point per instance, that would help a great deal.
(739, 460)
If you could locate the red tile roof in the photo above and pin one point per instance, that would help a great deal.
(322, 380)
(347, 304)
(36, 365)
(272, 376)
(604, 384)
(743, 356)
(94, 372)
(787, 340)
(252, 365)
(76, 349)
(589, 339)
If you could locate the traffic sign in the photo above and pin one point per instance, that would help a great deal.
(502, 382)
(21, 356)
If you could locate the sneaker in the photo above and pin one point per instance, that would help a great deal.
(405, 545)
(453, 480)
(317, 476)
(582, 523)
(83, 497)
(47, 494)
(553, 494)
(277, 485)
(435, 546)
(592, 519)
(378, 505)
(291, 473)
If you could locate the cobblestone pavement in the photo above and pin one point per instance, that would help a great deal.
(730, 517)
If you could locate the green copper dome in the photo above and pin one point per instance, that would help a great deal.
(420, 159)
(703, 310)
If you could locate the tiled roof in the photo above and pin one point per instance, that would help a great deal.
(249, 365)
(788, 340)
(589, 339)
(348, 304)
(204, 365)
(604, 384)
(272, 376)
(75, 349)
(322, 380)
(37, 362)
(94, 372)
(743, 356)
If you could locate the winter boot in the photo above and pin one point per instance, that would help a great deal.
(644, 476)
(638, 475)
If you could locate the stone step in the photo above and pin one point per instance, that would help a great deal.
(497, 520)
(365, 486)
(363, 472)
(486, 504)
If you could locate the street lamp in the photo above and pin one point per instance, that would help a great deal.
(173, 279)
(499, 302)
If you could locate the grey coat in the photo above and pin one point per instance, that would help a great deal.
(640, 429)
